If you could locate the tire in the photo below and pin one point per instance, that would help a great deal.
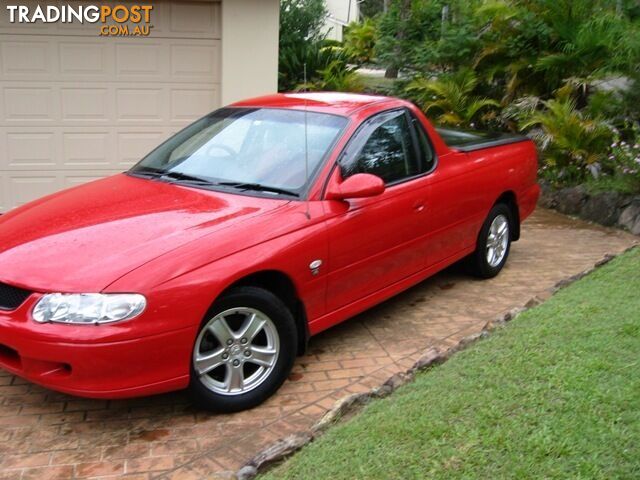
(263, 357)
(481, 262)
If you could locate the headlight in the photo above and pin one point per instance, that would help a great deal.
(88, 308)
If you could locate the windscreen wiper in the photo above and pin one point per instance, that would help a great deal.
(150, 172)
(154, 172)
(187, 178)
(258, 187)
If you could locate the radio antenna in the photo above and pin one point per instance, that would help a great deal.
(306, 146)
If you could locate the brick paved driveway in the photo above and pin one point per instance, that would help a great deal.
(49, 435)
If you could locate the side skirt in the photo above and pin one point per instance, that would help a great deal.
(352, 309)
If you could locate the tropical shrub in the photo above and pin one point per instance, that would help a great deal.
(510, 43)
(339, 77)
(360, 40)
(327, 68)
(450, 98)
(573, 144)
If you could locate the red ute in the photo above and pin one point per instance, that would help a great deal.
(210, 263)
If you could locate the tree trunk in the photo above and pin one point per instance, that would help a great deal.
(398, 61)
(391, 72)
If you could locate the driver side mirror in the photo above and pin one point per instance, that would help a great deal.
(360, 185)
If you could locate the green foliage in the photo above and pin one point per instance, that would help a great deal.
(301, 21)
(371, 8)
(336, 75)
(327, 68)
(573, 144)
(452, 48)
(450, 98)
(590, 49)
(411, 27)
(301, 41)
(620, 103)
(517, 48)
(511, 42)
(559, 67)
(360, 40)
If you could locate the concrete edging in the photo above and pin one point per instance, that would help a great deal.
(350, 404)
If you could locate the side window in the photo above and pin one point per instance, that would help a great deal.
(384, 148)
(426, 149)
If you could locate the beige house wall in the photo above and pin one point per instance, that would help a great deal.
(340, 13)
(249, 48)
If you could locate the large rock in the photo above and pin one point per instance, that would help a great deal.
(547, 195)
(602, 208)
(630, 217)
(570, 201)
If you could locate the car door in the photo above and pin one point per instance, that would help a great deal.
(373, 241)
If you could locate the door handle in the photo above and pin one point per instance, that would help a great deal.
(419, 206)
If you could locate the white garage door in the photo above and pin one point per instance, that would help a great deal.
(75, 106)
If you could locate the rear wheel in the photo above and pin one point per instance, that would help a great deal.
(494, 243)
(243, 352)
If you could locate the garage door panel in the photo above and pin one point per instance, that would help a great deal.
(25, 57)
(85, 58)
(86, 104)
(190, 19)
(133, 146)
(69, 181)
(75, 107)
(188, 105)
(21, 188)
(28, 104)
(87, 150)
(195, 62)
(141, 104)
(140, 60)
(29, 150)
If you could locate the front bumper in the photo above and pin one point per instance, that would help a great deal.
(70, 359)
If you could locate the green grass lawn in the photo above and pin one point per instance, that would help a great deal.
(555, 394)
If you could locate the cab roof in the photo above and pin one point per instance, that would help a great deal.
(335, 103)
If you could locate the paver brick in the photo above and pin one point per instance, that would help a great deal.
(99, 469)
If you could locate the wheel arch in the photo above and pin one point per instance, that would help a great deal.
(509, 199)
(282, 286)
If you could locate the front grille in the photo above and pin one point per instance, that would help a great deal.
(12, 297)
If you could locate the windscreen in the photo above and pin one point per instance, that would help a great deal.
(248, 146)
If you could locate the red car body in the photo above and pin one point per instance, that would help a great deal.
(182, 246)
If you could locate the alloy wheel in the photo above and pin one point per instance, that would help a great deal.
(497, 240)
(236, 351)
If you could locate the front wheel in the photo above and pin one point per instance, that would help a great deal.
(494, 243)
(243, 352)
